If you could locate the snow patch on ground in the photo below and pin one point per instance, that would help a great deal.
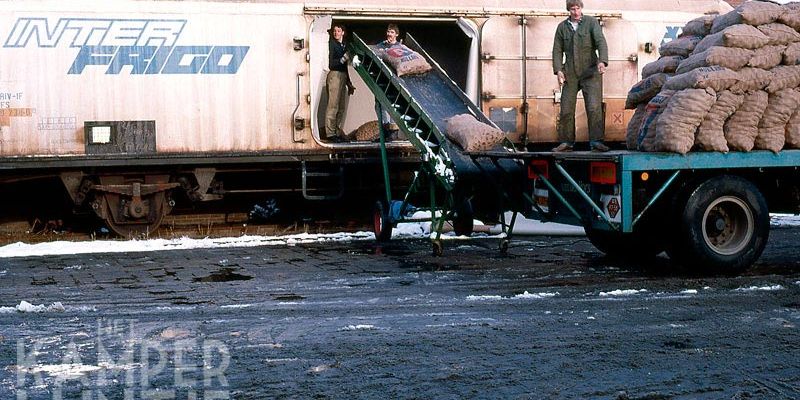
(72, 371)
(524, 226)
(541, 295)
(484, 298)
(359, 328)
(689, 291)
(622, 292)
(237, 306)
(787, 220)
(416, 230)
(20, 249)
(759, 288)
(25, 307)
(64, 370)
(521, 296)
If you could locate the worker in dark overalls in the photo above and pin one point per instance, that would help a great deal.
(580, 58)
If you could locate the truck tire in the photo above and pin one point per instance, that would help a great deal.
(382, 224)
(723, 227)
(640, 245)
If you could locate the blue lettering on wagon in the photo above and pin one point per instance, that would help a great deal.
(142, 46)
(670, 35)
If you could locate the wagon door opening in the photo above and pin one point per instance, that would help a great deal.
(452, 42)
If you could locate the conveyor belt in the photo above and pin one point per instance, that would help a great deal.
(420, 105)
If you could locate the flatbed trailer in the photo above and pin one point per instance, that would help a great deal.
(706, 210)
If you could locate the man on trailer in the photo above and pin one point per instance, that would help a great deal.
(580, 58)
(339, 86)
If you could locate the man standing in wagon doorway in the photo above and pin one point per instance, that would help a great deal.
(580, 58)
(338, 84)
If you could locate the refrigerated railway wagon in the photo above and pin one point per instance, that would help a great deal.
(126, 107)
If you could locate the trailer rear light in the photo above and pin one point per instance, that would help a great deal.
(538, 168)
(603, 172)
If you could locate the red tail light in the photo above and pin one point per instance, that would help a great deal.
(603, 172)
(538, 168)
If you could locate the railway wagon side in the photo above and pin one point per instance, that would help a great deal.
(127, 104)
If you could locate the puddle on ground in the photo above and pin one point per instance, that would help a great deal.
(287, 297)
(223, 275)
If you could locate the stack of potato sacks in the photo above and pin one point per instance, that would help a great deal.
(728, 83)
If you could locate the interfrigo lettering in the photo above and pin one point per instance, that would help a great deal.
(140, 46)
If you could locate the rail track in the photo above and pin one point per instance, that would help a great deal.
(193, 225)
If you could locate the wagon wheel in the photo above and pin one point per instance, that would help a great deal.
(141, 227)
(133, 210)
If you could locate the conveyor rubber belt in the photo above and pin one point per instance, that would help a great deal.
(436, 97)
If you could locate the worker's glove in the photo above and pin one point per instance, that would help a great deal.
(356, 62)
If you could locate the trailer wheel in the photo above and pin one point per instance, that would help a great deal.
(463, 219)
(503, 247)
(640, 245)
(437, 248)
(723, 227)
(382, 225)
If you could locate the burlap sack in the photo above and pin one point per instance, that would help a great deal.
(741, 36)
(715, 77)
(632, 133)
(471, 134)
(779, 33)
(750, 12)
(772, 127)
(708, 42)
(791, 55)
(643, 91)
(793, 131)
(790, 18)
(744, 36)
(767, 57)
(367, 132)
(741, 129)
(751, 79)
(681, 46)
(404, 60)
(646, 138)
(728, 57)
(666, 64)
(710, 136)
(676, 126)
(700, 26)
(784, 76)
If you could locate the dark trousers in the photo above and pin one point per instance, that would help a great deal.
(592, 88)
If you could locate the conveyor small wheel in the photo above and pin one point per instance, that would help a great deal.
(437, 247)
(504, 245)
(382, 225)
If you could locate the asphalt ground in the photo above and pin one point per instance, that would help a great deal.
(552, 318)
